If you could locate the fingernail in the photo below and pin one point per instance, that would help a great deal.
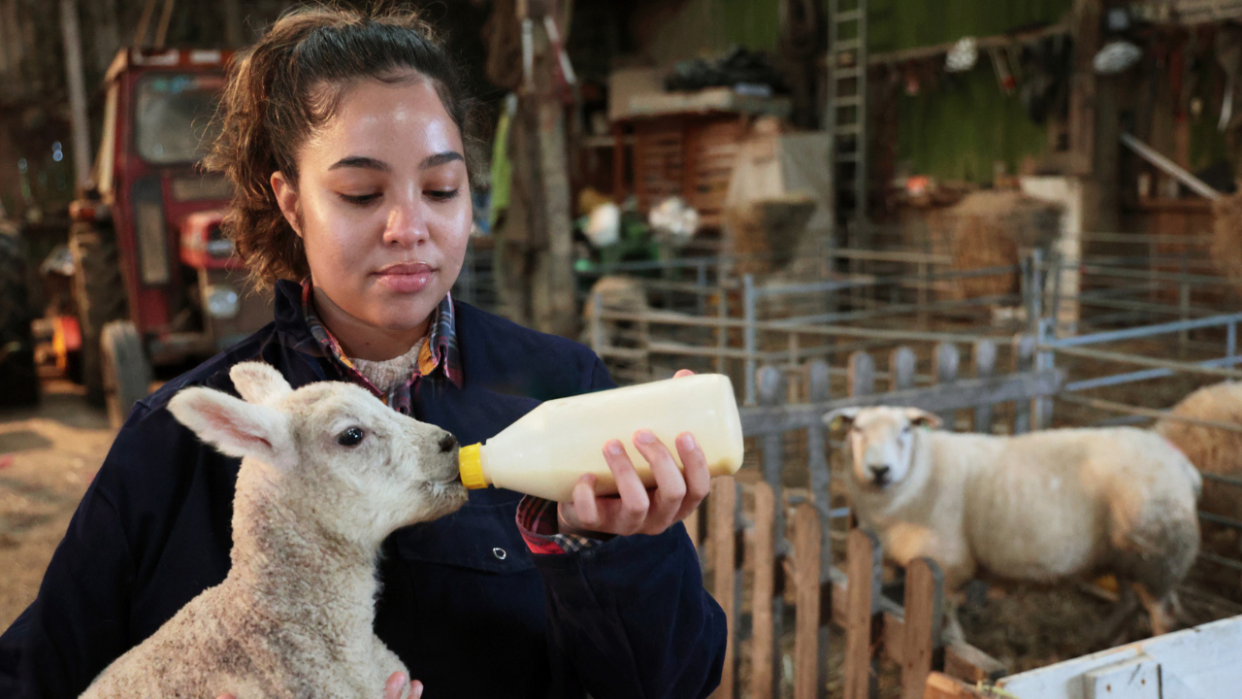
(615, 449)
(418, 691)
(645, 437)
(686, 441)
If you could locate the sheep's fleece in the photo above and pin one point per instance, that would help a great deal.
(1211, 449)
(1041, 506)
(327, 472)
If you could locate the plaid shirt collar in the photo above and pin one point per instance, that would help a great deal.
(439, 351)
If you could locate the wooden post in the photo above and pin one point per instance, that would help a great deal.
(902, 365)
(821, 488)
(965, 662)
(941, 686)
(764, 681)
(861, 379)
(724, 548)
(161, 31)
(863, 593)
(694, 529)
(794, 388)
(598, 340)
(923, 291)
(947, 360)
(78, 122)
(722, 332)
(1024, 360)
(750, 336)
(772, 394)
(924, 593)
(1183, 307)
(808, 670)
(985, 366)
(234, 25)
(144, 20)
(553, 309)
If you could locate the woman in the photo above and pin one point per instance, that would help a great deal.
(342, 135)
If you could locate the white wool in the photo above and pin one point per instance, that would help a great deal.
(295, 615)
(1043, 506)
(1211, 449)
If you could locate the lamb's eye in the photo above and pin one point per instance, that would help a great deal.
(350, 437)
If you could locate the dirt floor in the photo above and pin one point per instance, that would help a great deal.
(48, 456)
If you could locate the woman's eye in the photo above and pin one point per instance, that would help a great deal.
(441, 194)
(350, 437)
(360, 199)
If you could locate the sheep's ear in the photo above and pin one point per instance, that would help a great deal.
(841, 416)
(233, 426)
(922, 418)
(258, 382)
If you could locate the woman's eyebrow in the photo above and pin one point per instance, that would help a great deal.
(440, 159)
(362, 162)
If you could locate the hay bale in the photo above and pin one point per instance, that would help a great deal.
(1226, 242)
(992, 229)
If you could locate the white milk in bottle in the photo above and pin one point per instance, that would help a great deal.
(545, 452)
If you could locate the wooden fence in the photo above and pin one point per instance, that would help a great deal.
(753, 555)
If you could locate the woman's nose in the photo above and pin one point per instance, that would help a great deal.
(406, 226)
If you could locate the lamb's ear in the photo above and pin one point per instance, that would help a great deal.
(841, 416)
(922, 418)
(258, 382)
(235, 427)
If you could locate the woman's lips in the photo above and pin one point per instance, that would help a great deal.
(406, 277)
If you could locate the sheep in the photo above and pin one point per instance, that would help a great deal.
(327, 473)
(1212, 449)
(1039, 507)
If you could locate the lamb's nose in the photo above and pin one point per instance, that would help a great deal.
(447, 442)
(880, 473)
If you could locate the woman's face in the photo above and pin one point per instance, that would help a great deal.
(383, 208)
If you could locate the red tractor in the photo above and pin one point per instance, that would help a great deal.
(154, 281)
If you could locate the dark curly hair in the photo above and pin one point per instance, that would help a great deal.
(287, 85)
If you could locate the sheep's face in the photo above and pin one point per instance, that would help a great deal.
(369, 466)
(881, 442)
(330, 450)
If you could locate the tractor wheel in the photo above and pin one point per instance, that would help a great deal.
(18, 374)
(126, 373)
(99, 294)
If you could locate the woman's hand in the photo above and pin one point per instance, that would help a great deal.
(398, 686)
(635, 510)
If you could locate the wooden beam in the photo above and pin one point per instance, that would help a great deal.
(863, 560)
(724, 544)
(942, 686)
(763, 641)
(924, 592)
(1086, 18)
(965, 662)
(807, 541)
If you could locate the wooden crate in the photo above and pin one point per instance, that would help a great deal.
(690, 156)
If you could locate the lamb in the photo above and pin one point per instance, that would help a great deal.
(1039, 507)
(327, 473)
(1212, 449)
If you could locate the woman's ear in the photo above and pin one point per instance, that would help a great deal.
(286, 199)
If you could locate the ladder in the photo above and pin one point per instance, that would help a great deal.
(846, 118)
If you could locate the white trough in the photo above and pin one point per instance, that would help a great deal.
(1197, 663)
